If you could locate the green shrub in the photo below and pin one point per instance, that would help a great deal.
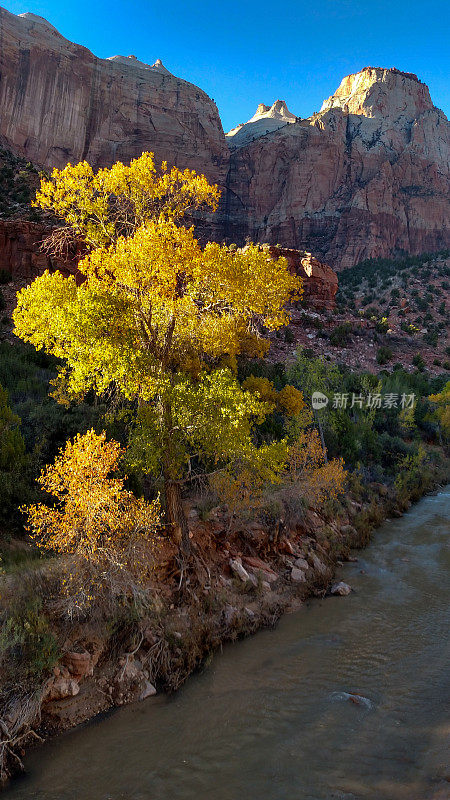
(422, 303)
(384, 354)
(431, 338)
(419, 362)
(289, 337)
(13, 461)
(340, 336)
(413, 477)
(26, 639)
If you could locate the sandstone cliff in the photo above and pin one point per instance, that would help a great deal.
(319, 281)
(367, 176)
(21, 251)
(60, 103)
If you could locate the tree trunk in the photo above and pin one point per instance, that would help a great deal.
(322, 440)
(176, 518)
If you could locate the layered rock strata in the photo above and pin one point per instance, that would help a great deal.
(320, 282)
(366, 176)
(60, 103)
(21, 251)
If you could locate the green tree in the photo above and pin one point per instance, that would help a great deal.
(419, 362)
(384, 354)
(13, 460)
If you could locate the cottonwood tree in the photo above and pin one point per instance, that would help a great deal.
(159, 317)
(441, 411)
(109, 531)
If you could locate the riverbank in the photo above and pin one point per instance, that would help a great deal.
(272, 715)
(235, 588)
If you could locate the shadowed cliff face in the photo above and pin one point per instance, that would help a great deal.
(60, 103)
(366, 176)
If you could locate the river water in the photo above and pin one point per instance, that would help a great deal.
(270, 719)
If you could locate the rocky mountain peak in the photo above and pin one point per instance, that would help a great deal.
(160, 67)
(278, 110)
(266, 119)
(133, 61)
(60, 103)
(376, 91)
(35, 19)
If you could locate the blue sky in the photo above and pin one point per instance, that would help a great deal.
(244, 53)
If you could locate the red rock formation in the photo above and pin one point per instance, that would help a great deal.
(367, 176)
(20, 249)
(22, 253)
(320, 282)
(60, 103)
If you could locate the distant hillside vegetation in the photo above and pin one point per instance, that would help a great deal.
(19, 180)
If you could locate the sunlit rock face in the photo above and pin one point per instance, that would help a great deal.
(60, 103)
(367, 176)
(319, 281)
(265, 120)
(381, 92)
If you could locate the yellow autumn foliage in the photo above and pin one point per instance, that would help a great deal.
(289, 400)
(93, 517)
(316, 479)
(262, 387)
(441, 402)
(242, 486)
(101, 206)
(159, 314)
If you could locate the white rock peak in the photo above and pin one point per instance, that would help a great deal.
(380, 92)
(266, 119)
(278, 110)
